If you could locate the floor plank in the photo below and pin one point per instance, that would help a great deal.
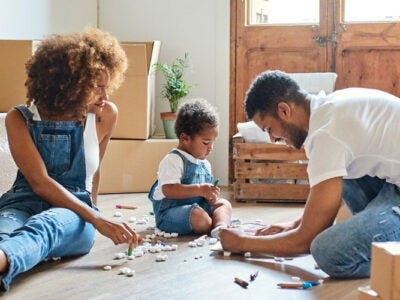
(188, 273)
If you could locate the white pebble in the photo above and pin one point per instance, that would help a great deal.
(247, 254)
(192, 244)
(124, 270)
(167, 248)
(130, 273)
(227, 253)
(118, 214)
(119, 255)
(295, 278)
(161, 257)
(174, 247)
(132, 219)
(174, 234)
(131, 257)
(212, 241)
(200, 242)
(107, 268)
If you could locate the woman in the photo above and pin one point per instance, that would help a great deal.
(58, 141)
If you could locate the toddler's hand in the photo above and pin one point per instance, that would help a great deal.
(210, 193)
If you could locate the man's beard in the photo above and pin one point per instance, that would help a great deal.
(294, 134)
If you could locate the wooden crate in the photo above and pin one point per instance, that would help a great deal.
(269, 172)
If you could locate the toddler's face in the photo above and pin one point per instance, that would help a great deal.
(202, 144)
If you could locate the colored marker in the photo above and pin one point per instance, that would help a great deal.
(296, 285)
(253, 276)
(130, 249)
(131, 245)
(241, 282)
(125, 206)
(216, 182)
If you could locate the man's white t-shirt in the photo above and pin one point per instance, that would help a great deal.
(170, 170)
(352, 133)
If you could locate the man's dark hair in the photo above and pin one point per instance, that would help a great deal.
(267, 90)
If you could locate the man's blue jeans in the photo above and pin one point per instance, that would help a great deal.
(344, 250)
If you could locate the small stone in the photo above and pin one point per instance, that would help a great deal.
(107, 268)
(119, 255)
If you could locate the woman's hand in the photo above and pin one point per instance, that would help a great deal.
(119, 233)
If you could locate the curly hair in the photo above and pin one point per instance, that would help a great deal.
(268, 89)
(194, 116)
(62, 74)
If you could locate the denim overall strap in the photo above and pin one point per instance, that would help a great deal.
(193, 173)
(60, 144)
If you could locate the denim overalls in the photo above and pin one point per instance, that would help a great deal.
(174, 215)
(30, 228)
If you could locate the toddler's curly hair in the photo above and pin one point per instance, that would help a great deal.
(194, 115)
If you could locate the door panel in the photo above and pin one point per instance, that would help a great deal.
(368, 55)
(287, 47)
(362, 54)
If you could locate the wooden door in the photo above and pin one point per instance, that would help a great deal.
(368, 52)
(361, 51)
(288, 47)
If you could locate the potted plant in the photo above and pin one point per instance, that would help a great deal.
(174, 89)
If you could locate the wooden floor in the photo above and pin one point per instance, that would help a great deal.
(188, 273)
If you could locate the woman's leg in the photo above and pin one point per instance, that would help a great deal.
(54, 232)
(344, 250)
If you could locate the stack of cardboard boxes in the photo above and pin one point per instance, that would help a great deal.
(132, 157)
(385, 273)
(131, 161)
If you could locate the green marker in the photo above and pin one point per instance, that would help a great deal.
(216, 182)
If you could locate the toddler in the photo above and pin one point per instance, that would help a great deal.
(184, 198)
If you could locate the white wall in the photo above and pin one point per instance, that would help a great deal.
(35, 19)
(198, 27)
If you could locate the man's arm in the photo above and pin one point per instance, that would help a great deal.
(320, 211)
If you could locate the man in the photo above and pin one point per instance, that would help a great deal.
(352, 140)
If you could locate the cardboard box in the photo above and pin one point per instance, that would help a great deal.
(135, 99)
(365, 293)
(131, 166)
(13, 56)
(385, 270)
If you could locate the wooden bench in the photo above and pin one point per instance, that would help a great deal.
(269, 172)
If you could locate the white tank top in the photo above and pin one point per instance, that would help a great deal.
(92, 150)
(91, 143)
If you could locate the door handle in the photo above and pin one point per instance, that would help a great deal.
(322, 40)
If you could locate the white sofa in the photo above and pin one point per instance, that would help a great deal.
(8, 169)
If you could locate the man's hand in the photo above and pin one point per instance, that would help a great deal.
(276, 228)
